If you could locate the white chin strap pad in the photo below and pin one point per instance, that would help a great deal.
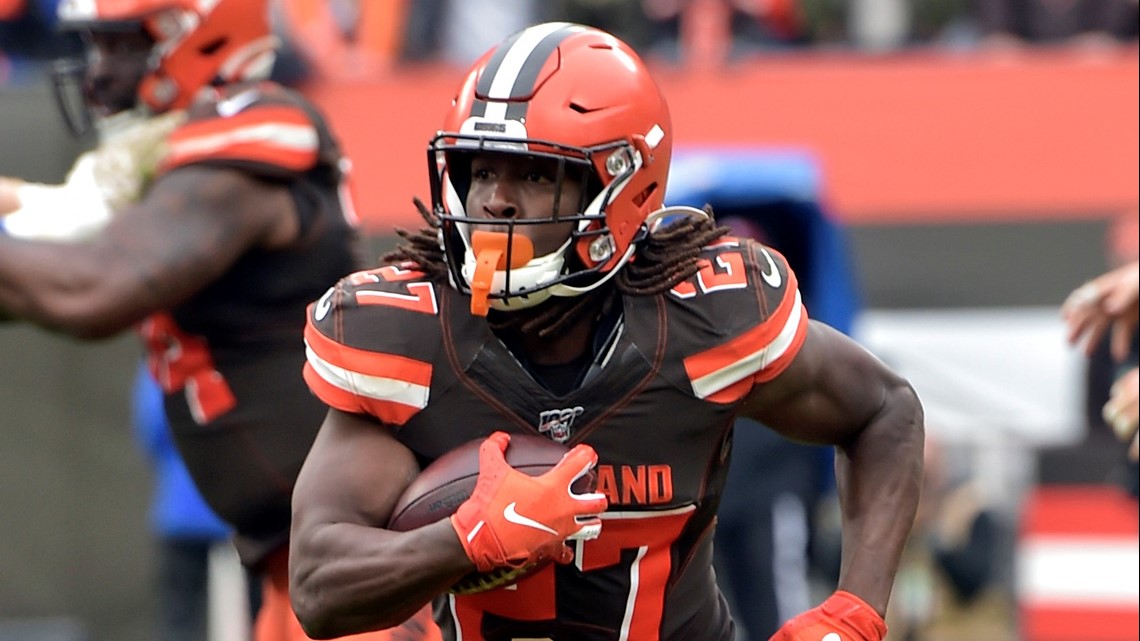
(536, 272)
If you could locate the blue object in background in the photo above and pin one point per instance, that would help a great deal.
(30, 42)
(780, 190)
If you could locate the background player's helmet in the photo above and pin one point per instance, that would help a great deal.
(576, 94)
(197, 43)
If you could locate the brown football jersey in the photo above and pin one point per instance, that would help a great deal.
(228, 356)
(657, 405)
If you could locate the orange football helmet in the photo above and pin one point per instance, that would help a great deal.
(575, 94)
(198, 43)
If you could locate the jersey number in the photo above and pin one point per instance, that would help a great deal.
(726, 271)
(648, 535)
(420, 296)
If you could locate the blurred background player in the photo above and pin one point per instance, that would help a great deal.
(186, 530)
(103, 180)
(230, 215)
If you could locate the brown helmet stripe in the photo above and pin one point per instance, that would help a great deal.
(511, 72)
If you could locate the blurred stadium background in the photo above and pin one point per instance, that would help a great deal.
(978, 178)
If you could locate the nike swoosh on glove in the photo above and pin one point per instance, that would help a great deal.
(513, 519)
(842, 617)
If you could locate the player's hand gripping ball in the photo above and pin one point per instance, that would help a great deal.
(513, 499)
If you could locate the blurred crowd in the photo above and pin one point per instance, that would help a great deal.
(352, 39)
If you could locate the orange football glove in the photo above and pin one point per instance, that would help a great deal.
(513, 519)
(842, 617)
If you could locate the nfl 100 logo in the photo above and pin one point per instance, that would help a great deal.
(558, 422)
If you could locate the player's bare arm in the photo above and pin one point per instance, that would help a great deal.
(347, 574)
(193, 224)
(836, 392)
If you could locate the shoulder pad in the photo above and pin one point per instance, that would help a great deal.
(255, 126)
(746, 294)
(357, 361)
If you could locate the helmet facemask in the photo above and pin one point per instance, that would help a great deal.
(104, 85)
(561, 91)
(194, 47)
(493, 259)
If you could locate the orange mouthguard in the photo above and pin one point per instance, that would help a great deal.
(490, 256)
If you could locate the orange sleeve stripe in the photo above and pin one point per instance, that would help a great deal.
(280, 136)
(751, 342)
(373, 364)
(391, 388)
(390, 412)
(252, 116)
(780, 364)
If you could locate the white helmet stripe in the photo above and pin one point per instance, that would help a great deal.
(512, 71)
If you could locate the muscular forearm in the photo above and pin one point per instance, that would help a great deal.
(880, 477)
(70, 288)
(14, 300)
(347, 579)
(24, 277)
(35, 212)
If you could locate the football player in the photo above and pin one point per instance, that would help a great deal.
(552, 292)
(230, 216)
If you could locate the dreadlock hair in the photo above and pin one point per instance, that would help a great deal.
(665, 258)
(669, 256)
(421, 247)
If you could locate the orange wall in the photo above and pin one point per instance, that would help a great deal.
(921, 137)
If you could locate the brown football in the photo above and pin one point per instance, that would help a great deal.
(443, 485)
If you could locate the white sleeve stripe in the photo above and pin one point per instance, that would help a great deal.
(749, 365)
(379, 388)
(284, 136)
